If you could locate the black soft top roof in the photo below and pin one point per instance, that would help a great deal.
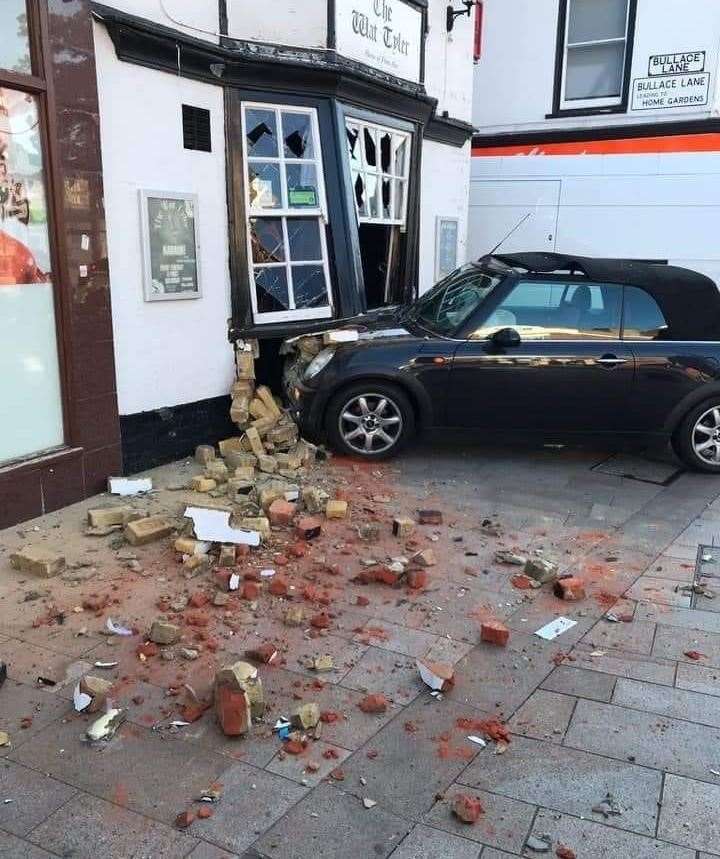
(690, 301)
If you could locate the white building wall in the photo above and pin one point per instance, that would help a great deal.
(166, 352)
(449, 62)
(302, 23)
(514, 79)
(445, 183)
(198, 18)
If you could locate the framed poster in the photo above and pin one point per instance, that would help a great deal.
(446, 241)
(169, 225)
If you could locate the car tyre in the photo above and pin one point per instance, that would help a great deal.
(379, 411)
(697, 439)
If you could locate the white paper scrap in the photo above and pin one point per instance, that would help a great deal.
(214, 525)
(267, 574)
(555, 627)
(234, 582)
(477, 740)
(81, 700)
(116, 629)
(129, 485)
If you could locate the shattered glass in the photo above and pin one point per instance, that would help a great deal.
(359, 186)
(385, 149)
(304, 239)
(370, 148)
(297, 135)
(261, 133)
(271, 288)
(309, 286)
(372, 195)
(386, 198)
(266, 238)
(353, 137)
(264, 188)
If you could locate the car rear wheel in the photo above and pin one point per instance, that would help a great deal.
(371, 420)
(697, 440)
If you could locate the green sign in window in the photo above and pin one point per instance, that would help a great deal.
(302, 197)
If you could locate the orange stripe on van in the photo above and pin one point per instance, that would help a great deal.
(629, 146)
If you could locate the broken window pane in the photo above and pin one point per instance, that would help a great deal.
(372, 195)
(261, 133)
(304, 238)
(266, 238)
(309, 286)
(359, 186)
(271, 288)
(386, 202)
(370, 148)
(302, 186)
(353, 137)
(401, 147)
(400, 189)
(385, 147)
(264, 189)
(297, 135)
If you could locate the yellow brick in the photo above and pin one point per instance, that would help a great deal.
(147, 530)
(202, 484)
(336, 509)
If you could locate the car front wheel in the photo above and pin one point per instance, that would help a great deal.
(697, 440)
(370, 420)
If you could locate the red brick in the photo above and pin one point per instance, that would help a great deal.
(363, 601)
(297, 550)
(467, 808)
(149, 648)
(222, 578)
(281, 512)
(563, 852)
(184, 820)
(250, 591)
(96, 602)
(320, 621)
(376, 703)
(204, 812)
(430, 517)
(278, 587)
(197, 618)
(265, 653)
(294, 747)
(199, 599)
(417, 579)
(386, 576)
(233, 711)
(308, 527)
(252, 576)
(571, 589)
(494, 632)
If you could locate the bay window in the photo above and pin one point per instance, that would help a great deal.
(286, 213)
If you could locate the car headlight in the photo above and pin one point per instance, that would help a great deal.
(318, 363)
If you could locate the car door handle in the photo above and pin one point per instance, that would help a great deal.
(438, 360)
(611, 360)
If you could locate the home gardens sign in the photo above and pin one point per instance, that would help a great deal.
(384, 34)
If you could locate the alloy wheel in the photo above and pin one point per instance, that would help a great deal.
(370, 423)
(706, 436)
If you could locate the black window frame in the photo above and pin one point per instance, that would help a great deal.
(557, 110)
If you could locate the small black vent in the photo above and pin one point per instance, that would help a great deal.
(196, 128)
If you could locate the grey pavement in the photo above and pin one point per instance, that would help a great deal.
(629, 709)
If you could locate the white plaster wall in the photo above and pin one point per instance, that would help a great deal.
(663, 206)
(444, 192)
(301, 23)
(198, 18)
(513, 82)
(449, 62)
(167, 352)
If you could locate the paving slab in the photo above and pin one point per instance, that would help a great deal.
(19, 701)
(581, 683)
(636, 637)
(252, 801)
(505, 823)
(423, 842)
(319, 753)
(623, 664)
(13, 848)
(698, 678)
(570, 781)
(674, 569)
(689, 814)
(502, 678)
(393, 674)
(686, 618)
(491, 853)
(588, 839)
(210, 851)
(419, 754)
(678, 703)
(675, 642)
(400, 639)
(34, 797)
(659, 742)
(88, 827)
(545, 716)
(330, 823)
(655, 590)
(153, 775)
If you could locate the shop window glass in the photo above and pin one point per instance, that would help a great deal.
(380, 177)
(15, 41)
(30, 398)
(287, 246)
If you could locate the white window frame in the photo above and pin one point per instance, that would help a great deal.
(365, 170)
(600, 101)
(284, 212)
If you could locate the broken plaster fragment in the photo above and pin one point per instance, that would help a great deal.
(104, 728)
(214, 526)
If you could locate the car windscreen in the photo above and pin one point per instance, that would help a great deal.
(451, 302)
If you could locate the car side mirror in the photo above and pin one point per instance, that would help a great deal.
(506, 337)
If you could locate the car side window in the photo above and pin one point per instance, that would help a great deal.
(642, 318)
(557, 311)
